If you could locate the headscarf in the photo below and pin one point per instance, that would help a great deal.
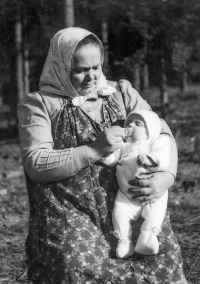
(55, 77)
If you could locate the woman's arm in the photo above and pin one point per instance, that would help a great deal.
(41, 161)
(173, 150)
(150, 187)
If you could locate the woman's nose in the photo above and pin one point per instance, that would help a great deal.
(90, 74)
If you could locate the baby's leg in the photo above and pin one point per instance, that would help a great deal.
(153, 215)
(123, 212)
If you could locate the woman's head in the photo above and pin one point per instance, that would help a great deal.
(86, 65)
(91, 40)
(68, 48)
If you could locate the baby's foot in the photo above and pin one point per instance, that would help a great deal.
(142, 160)
(147, 243)
(125, 247)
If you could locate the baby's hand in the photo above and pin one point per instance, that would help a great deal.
(142, 160)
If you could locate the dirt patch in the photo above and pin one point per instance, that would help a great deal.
(13, 214)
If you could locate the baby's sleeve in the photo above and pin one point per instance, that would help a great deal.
(112, 159)
(160, 151)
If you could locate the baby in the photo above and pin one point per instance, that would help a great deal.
(144, 151)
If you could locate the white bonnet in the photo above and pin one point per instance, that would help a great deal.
(152, 121)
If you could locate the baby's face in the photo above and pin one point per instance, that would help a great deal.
(136, 128)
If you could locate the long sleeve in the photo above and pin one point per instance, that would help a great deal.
(160, 149)
(41, 162)
(173, 149)
(112, 159)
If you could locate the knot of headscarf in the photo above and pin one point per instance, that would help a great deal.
(102, 90)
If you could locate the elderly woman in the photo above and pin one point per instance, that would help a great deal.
(65, 129)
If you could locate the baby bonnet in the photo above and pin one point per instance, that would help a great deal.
(152, 120)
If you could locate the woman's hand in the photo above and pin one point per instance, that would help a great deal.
(149, 187)
(108, 141)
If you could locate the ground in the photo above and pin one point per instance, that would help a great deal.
(184, 199)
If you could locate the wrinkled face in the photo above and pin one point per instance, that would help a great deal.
(136, 128)
(86, 68)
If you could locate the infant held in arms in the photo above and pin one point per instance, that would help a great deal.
(144, 151)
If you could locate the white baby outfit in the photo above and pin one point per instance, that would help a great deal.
(126, 209)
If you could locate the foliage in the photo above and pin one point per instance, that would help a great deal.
(168, 28)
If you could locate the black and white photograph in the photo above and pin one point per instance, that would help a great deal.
(100, 142)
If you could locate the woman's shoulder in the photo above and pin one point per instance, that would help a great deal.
(32, 96)
(128, 91)
(121, 81)
(123, 85)
(43, 99)
(40, 103)
(131, 97)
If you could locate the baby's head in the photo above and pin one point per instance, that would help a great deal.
(142, 125)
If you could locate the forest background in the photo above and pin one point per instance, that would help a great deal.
(145, 41)
(155, 44)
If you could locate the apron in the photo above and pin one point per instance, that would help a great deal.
(70, 237)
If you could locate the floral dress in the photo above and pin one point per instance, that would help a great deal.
(71, 237)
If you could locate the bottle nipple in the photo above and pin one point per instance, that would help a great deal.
(127, 132)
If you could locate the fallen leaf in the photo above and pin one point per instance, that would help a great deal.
(3, 191)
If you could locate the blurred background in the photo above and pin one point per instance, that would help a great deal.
(155, 44)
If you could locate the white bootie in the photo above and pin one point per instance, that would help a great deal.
(125, 246)
(147, 243)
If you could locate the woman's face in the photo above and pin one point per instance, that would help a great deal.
(86, 68)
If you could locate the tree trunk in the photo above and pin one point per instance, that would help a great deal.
(163, 90)
(69, 13)
(26, 70)
(145, 68)
(136, 71)
(26, 52)
(104, 38)
(183, 79)
(1, 97)
(145, 76)
(19, 58)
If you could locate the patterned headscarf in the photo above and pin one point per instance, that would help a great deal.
(55, 76)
